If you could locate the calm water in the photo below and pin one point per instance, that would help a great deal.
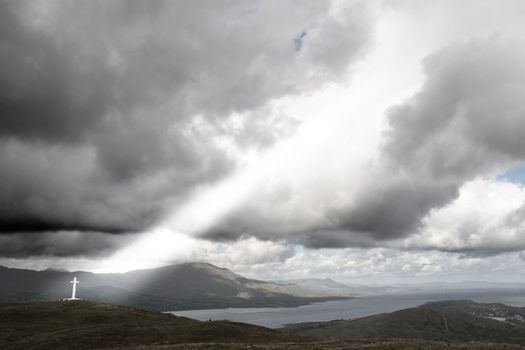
(276, 317)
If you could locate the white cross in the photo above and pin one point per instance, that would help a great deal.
(74, 293)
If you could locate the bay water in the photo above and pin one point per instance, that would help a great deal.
(353, 308)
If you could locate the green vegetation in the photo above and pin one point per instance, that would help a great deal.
(376, 345)
(93, 325)
(456, 321)
(88, 325)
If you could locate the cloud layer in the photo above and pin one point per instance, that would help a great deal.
(365, 125)
(464, 122)
(114, 111)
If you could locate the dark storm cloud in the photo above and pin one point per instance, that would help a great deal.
(466, 120)
(393, 210)
(40, 92)
(467, 115)
(110, 110)
(61, 244)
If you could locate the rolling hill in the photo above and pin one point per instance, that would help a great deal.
(450, 321)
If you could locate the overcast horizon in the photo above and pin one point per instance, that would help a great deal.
(366, 141)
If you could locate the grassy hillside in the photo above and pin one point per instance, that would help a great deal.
(92, 325)
(509, 314)
(424, 322)
(362, 345)
(88, 325)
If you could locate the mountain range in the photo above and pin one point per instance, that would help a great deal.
(174, 287)
(327, 286)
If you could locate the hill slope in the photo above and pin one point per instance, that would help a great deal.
(497, 311)
(174, 287)
(444, 321)
(91, 325)
(87, 325)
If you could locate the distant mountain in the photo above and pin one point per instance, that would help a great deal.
(329, 287)
(321, 287)
(90, 325)
(458, 321)
(175, 287)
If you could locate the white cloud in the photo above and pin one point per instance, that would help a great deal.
(385, 266)
(488, 217)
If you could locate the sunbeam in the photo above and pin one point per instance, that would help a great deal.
(339, 119)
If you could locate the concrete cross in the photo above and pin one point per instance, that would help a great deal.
(74, 293)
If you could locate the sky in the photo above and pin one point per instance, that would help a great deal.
(367, 141)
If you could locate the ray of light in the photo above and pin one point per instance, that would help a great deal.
(346, 115)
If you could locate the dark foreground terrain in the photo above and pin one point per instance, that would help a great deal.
(446, 321)
(381, 345)
(94, 325)
(91, 325)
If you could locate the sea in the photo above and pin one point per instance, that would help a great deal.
(353, 308)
